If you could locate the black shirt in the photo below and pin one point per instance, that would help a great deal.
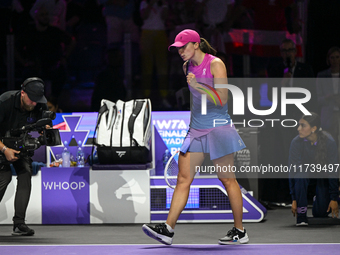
(13, 116)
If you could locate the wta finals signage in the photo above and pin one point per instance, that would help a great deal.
(172, 128)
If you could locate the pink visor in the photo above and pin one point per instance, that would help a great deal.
(185, 37)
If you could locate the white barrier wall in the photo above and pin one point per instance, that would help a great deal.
(120, 196)
(34, 210)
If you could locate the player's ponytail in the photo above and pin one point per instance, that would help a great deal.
(206, 47)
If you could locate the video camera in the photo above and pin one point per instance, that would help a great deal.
(19, 139)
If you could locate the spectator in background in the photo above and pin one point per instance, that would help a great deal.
(43, 50)
(109, 84)
(182, 12)
(287, 74)
(74, 14)
(154, 43)
(269, 15)
(243, 19)
(314, 147)
(6, 22)
(52, 104)
(92, 12)
(119, 20)
(56, 11)
(217, 18)
(328, 92)
(288, 69)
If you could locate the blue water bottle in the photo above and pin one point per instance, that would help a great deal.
(166, 157)
(80, 156)
(66, 156)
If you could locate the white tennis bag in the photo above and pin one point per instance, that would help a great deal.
(124, 132)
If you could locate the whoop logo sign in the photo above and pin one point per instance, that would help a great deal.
(238, 102)
(65, 195)
(64, 185)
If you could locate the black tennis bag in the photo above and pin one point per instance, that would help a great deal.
(124, 132)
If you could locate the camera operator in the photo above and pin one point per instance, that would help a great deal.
(17, 109)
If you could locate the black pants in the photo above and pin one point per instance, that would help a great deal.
(23, 169)
(322, 197)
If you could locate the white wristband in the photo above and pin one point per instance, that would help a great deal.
(4, 149)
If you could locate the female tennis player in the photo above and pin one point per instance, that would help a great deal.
(315, 153)
(204, 137)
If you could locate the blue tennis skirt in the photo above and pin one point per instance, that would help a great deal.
(218, 141)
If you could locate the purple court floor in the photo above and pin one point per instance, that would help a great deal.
(248, 249)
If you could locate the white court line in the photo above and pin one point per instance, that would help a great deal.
(170, 245)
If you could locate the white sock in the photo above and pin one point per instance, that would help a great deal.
(240, 230)
(169, 228)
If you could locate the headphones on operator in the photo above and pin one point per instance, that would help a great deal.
(29, 80)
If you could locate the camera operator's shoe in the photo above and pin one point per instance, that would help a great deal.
(159, 232)
(235, 236)
(22, 229)
(301, 219)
